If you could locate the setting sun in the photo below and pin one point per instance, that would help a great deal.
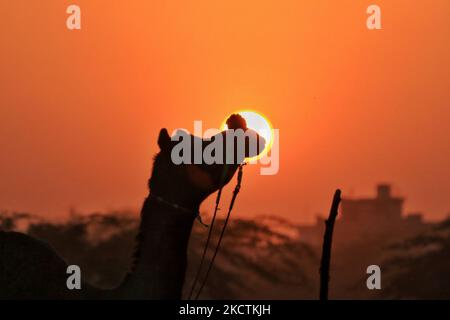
(256, 121)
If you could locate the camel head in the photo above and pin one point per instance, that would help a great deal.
(189, 183)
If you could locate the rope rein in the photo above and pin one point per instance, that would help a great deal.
(211, 263)
(178, 207)
(205, 249)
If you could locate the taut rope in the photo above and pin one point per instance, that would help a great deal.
(233, 199)
(199, 269)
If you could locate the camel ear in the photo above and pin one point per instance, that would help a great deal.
(163, 139)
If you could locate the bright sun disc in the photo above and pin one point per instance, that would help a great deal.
(260, 124)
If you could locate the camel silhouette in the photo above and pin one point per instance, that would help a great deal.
(31, 269)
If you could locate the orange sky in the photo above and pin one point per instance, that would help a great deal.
(80, 110)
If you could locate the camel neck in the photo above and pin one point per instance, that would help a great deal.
(161, 254)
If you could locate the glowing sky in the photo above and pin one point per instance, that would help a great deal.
(80, 110)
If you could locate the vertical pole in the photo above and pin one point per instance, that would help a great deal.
(326, 249)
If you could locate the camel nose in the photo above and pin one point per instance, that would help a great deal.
(254, 143)
(240, 144)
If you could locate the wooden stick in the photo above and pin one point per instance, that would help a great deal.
(326, 249)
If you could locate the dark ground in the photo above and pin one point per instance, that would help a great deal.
(263, 258)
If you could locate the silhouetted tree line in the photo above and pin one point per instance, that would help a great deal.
(256, 260)
(419, 268)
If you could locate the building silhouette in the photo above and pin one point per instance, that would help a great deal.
(368, 218)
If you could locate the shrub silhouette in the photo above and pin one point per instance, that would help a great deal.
(253, 257)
